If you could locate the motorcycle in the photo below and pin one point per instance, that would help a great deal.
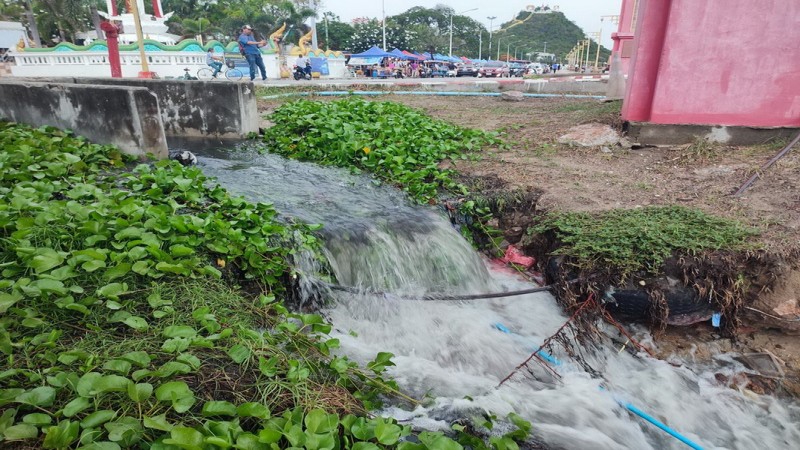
(300, 74)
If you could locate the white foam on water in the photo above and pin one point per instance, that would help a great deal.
(451, 352)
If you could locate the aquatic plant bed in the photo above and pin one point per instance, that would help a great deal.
(400, 145)
(140, 307)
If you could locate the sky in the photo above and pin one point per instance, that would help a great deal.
(585, 13)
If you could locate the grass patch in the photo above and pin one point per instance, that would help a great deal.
(592, 111)
(634, 240)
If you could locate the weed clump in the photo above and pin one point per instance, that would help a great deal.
(633, 240)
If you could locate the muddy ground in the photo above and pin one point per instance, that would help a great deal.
(700, 175)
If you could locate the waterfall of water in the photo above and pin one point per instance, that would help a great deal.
(452, 352)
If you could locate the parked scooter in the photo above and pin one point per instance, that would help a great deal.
(300, 74)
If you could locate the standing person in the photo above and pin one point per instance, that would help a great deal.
(214, 61)
(252, 52)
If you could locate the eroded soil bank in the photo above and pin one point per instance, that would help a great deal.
(536, 174)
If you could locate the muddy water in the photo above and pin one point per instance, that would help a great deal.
(452, 353)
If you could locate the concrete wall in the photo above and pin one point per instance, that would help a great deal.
(127, 117)
(723, 62)
(193, 108)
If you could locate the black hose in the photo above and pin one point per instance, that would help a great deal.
(353, 290)
(772, 161)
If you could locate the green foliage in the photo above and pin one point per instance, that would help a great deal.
(118, 327)
(631, 240)
(396, 143)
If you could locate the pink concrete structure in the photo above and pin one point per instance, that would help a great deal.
(715, 62)
(623, 38)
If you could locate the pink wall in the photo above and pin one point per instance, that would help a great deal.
(721, 62)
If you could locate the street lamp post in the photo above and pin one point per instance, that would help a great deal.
(480, 44)
(451, 28)
(545, 47)
(490, 34)
(383, 10)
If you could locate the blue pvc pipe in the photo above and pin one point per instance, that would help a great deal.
(660, 424)
(630, 407)
(431, 93)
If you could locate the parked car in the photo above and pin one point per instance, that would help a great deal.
(516, 70)
(494, 69)
(467, 70)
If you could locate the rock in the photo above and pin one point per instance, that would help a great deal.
(605, 149)
(590, 135)
(512, 96)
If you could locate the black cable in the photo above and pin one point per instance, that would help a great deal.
(353, 290)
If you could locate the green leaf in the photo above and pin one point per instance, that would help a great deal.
(92, 265)
(112, 290)
(37, 419)
(46, 259)
(387, 433)
(179, 331)
(120, 270)
(365, 446)
(43, 396)
(109, 383)
(176, 393)
(118, 365)
(253, 409)
(172, 268)
(101, 446)
(126, 431)
(180, 250)
(218, 408)
(185, 438)
(97, 418)
(137, 323)
(140, 392)
(318, 421)
(20, 432)
(8, 300)
(140, 358)
(62, 435)
(249, 441)
(437, 441)
(239, 353)
(76, 406)
(158, 422)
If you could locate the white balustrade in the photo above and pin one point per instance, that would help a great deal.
(166, 64)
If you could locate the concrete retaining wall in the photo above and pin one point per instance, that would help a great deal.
(193, 108)
(125, 116)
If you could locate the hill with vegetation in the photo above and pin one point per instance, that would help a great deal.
(529, 31)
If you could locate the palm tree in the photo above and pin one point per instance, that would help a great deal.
(197, 27)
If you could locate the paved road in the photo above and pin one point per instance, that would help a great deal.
(438, 82)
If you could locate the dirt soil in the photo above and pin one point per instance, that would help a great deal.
(701, 175)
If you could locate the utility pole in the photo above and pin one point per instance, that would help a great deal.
(480, 44)
(545, 47)
(597, 35)
(452, 13)
(383, 9)
(490, 34)
(327, 42)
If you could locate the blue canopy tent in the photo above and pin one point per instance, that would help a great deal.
(397, 53)
(369, 57)
(373, 52)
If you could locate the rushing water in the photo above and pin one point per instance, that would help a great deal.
(453, 353)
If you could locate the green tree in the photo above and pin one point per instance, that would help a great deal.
(333, 33)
